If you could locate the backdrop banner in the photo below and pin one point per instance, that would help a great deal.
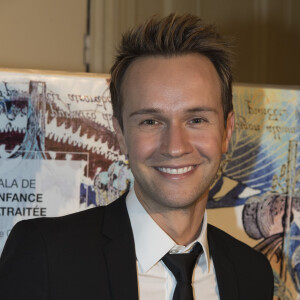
(59, 154)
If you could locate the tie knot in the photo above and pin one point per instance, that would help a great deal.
(182, 265)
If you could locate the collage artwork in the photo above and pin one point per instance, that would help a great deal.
(59, 154)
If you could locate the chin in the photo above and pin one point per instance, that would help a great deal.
(175, 200)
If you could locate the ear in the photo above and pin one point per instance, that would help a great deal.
(228, 132)
(120, 136)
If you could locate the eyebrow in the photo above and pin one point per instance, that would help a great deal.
(201, 109)
(146, 111)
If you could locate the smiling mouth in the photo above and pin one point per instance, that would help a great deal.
(176, 170)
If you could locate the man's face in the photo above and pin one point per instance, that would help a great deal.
(174, 131)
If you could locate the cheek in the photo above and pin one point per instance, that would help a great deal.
(209, 144)
(141, 146)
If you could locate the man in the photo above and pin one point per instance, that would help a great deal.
(173, 115)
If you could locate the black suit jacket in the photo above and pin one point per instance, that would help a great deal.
(91, 255)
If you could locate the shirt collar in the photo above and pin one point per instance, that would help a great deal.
(151, 242)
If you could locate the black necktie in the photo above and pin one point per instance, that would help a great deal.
(182, 267)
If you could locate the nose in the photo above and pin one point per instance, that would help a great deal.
(175, 141)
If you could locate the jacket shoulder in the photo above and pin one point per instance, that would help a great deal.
(79, 222)
(70, 230)
(234, 246)
(53, 249)
(252, 269)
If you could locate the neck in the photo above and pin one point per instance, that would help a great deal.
(183, 225)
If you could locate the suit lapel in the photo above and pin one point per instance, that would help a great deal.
(226, 276)
(120, 256)
(120, 251)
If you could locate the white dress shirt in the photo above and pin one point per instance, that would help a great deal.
(155, 280)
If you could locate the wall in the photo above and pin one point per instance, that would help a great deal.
(50, 34)
(42, 34)
(266, 33)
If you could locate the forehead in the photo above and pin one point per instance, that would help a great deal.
(187, 79)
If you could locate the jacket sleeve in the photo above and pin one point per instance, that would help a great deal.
(23, 265)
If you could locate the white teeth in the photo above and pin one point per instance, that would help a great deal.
(176, 171)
